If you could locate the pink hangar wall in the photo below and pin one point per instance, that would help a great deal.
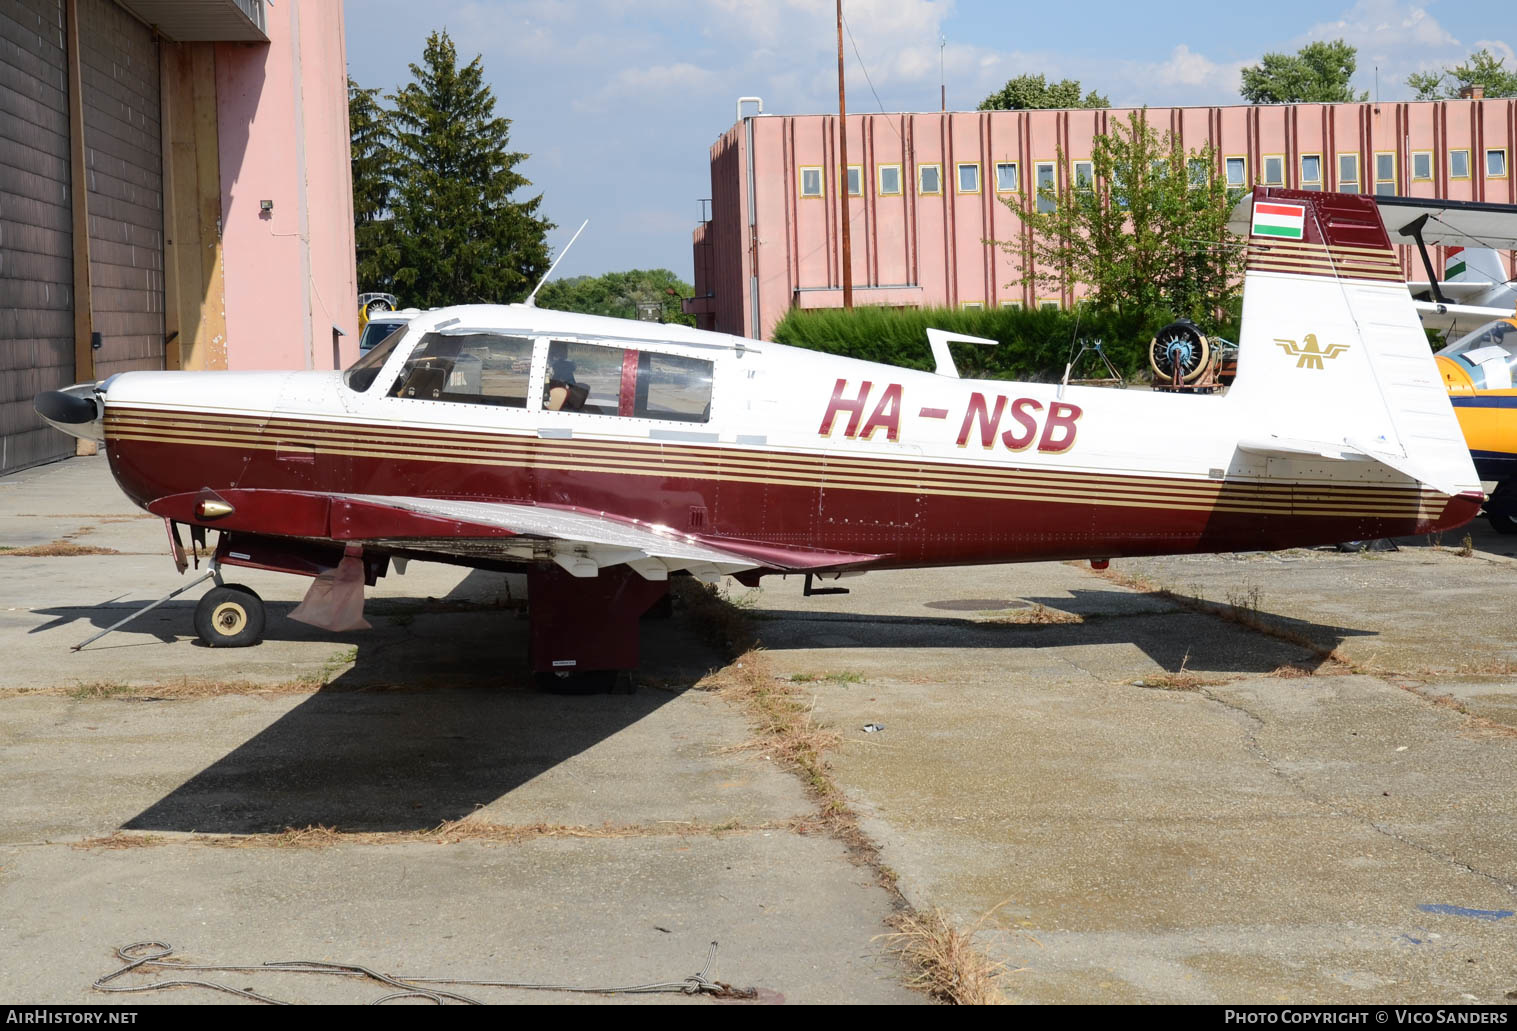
(916, 247)
(290, 273)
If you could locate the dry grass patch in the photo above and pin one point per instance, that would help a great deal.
(1184, 680)
(185, 687)
(1037, 615)
(946, 963)
(1241, 608)
(950, 968)
(119, 840)
(449, 832)
(57, 549)
(786, 725)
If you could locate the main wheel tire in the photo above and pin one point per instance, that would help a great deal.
(1502, 522)
(230, 616)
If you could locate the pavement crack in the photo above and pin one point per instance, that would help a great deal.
(1337, 807)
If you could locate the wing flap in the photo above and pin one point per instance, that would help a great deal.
(584, 542)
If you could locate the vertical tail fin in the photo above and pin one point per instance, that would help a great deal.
(1332, 352)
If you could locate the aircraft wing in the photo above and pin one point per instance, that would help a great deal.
(1457, 292)
(1444, 316)
(580, 541)
(1451, 223)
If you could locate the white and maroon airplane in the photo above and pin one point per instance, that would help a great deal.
(600, 456)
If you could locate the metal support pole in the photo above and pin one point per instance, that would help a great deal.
(211, 572)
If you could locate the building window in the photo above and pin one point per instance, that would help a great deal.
(1422, 166)
(1459, 164)
(1006, 177)
(1085, 176)
(1274, 170)
(1385, 172)
(1348, 173)
(890, 180)
(811, 180)
(1049, 304)
(973, 305)
(969, 178)
(1012, 304)
(1237, 171)
(1495, 164)
(855, 181)
(1048, 182)
(929, 179)
(1198, 173)
(1311, 171)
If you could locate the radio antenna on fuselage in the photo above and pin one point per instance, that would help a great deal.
(531, 301)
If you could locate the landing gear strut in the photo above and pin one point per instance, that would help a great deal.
(1501, 507)
(230, 616)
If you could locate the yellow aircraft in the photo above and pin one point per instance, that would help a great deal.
(1478, 369)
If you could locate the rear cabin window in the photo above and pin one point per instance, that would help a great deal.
(600, 380)
(468, 368)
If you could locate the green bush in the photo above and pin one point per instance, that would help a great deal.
(1032, 345)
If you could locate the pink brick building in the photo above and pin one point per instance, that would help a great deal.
(925, 191)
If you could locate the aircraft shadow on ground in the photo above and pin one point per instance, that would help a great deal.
(436, 717)
(391, 760)
(1171, 639)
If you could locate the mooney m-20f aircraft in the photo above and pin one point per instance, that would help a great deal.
(602, 456)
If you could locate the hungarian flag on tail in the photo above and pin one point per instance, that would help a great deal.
(1272, 218)
(1453, 265)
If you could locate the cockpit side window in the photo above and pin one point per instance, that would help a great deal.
(360, 375)
(601, 380)
(468, 368)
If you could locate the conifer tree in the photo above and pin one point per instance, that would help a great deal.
(456, 235)
(373, 172)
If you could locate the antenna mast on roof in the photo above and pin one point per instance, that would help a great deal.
(531, 301)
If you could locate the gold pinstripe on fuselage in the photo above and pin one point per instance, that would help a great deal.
(755, 464)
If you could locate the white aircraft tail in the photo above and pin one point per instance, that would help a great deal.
(1473, 265)
(1332, 359)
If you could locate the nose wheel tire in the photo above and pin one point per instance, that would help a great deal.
(230, 616)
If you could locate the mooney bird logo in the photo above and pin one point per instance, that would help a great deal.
(1308, 354)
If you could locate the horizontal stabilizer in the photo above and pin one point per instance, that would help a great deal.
(1348, 451)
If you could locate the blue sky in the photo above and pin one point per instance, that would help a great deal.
(618, 103)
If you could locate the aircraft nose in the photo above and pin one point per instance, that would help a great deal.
(56, 406)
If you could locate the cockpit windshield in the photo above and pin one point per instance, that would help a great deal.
(360, 375)
(1489, 354)
(1500, 333)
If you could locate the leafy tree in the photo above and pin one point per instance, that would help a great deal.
(1318, 73)
(1482, 69)
(456, 235)
(618, 294)
(373, 178)
(1148, 234)
(1034, 92)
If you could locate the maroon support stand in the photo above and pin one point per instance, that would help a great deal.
(585, 624)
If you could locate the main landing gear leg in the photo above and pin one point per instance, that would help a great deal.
(1501, 507)
(584, 630)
